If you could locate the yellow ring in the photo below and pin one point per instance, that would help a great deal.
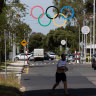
(62, 24)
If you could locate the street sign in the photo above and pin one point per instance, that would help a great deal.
(63, 42)
(23, 43)
(85, 29)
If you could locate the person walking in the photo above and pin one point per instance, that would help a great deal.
(60, 75)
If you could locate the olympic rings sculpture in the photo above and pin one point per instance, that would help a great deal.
(55, 16)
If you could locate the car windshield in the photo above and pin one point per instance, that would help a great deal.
(52, 54)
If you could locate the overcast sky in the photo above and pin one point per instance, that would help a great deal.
(33, 23)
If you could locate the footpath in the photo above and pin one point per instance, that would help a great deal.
(12, 87)
(15, 68)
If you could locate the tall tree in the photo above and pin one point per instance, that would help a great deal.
(1, 6)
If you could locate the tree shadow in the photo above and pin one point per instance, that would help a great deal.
(9, 91)
(60, 92)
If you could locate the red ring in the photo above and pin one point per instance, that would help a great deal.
(35, 7)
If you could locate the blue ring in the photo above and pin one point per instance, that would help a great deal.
(71, 9)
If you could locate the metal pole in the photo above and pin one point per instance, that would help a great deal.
(94, 28)
(66, 45)
(79, 38)
(84, 49)
(24, 56)
(5, 56)
(86, 46)
(90, 38)
(24, 51)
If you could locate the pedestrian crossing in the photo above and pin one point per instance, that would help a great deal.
(45, 63)
(42, 63)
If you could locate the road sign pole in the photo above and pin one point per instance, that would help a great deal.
(84, 48)
(24, 56)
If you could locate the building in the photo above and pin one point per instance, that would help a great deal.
(88, 49)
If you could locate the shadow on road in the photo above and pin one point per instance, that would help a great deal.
(60, 92)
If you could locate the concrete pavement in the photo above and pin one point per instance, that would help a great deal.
(15, 68)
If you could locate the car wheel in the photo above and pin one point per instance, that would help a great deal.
(29, 58)
(49, 58)
(16, 58)
(94, 68)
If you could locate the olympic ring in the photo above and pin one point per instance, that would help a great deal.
(42, 24)
(71, 9)
(35, 7)
(50, 7)
(62, 24)
(55, 16)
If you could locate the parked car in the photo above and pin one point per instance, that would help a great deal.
(31, 58)
(71, 57)
(94, 61)
(47, 57)
(52, 55)
(22, 56)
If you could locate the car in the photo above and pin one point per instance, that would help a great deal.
(22, 56)
(94, 61)
(71, 57)
(31, 58)
(52, 55)
(47, 57)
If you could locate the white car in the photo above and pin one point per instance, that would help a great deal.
(22, 56)
(52, 55)
(31, 57)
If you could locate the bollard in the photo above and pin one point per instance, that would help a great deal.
(78, 58)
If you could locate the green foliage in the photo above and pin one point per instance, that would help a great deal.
(36, 41)
(52, 41)
(10, 22)
(78, 5)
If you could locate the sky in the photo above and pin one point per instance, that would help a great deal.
(33, 23)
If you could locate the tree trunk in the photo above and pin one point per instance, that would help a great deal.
(1, 6)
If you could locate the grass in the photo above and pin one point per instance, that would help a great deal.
(9, 87)
(7, 64)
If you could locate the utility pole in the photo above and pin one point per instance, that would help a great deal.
(94, 27)
(5, 55)
(84, 37)
(90, 36)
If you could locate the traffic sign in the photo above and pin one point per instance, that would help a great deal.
(63, 42)
(85, 29)
(23, 43)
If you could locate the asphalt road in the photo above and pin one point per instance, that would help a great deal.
(41, 78)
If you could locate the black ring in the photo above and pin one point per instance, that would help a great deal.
(54, 7)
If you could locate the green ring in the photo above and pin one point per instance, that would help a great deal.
(42, 24)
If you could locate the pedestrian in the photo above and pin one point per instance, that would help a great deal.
(60, 74)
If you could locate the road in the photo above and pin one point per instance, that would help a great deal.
(41, 78)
